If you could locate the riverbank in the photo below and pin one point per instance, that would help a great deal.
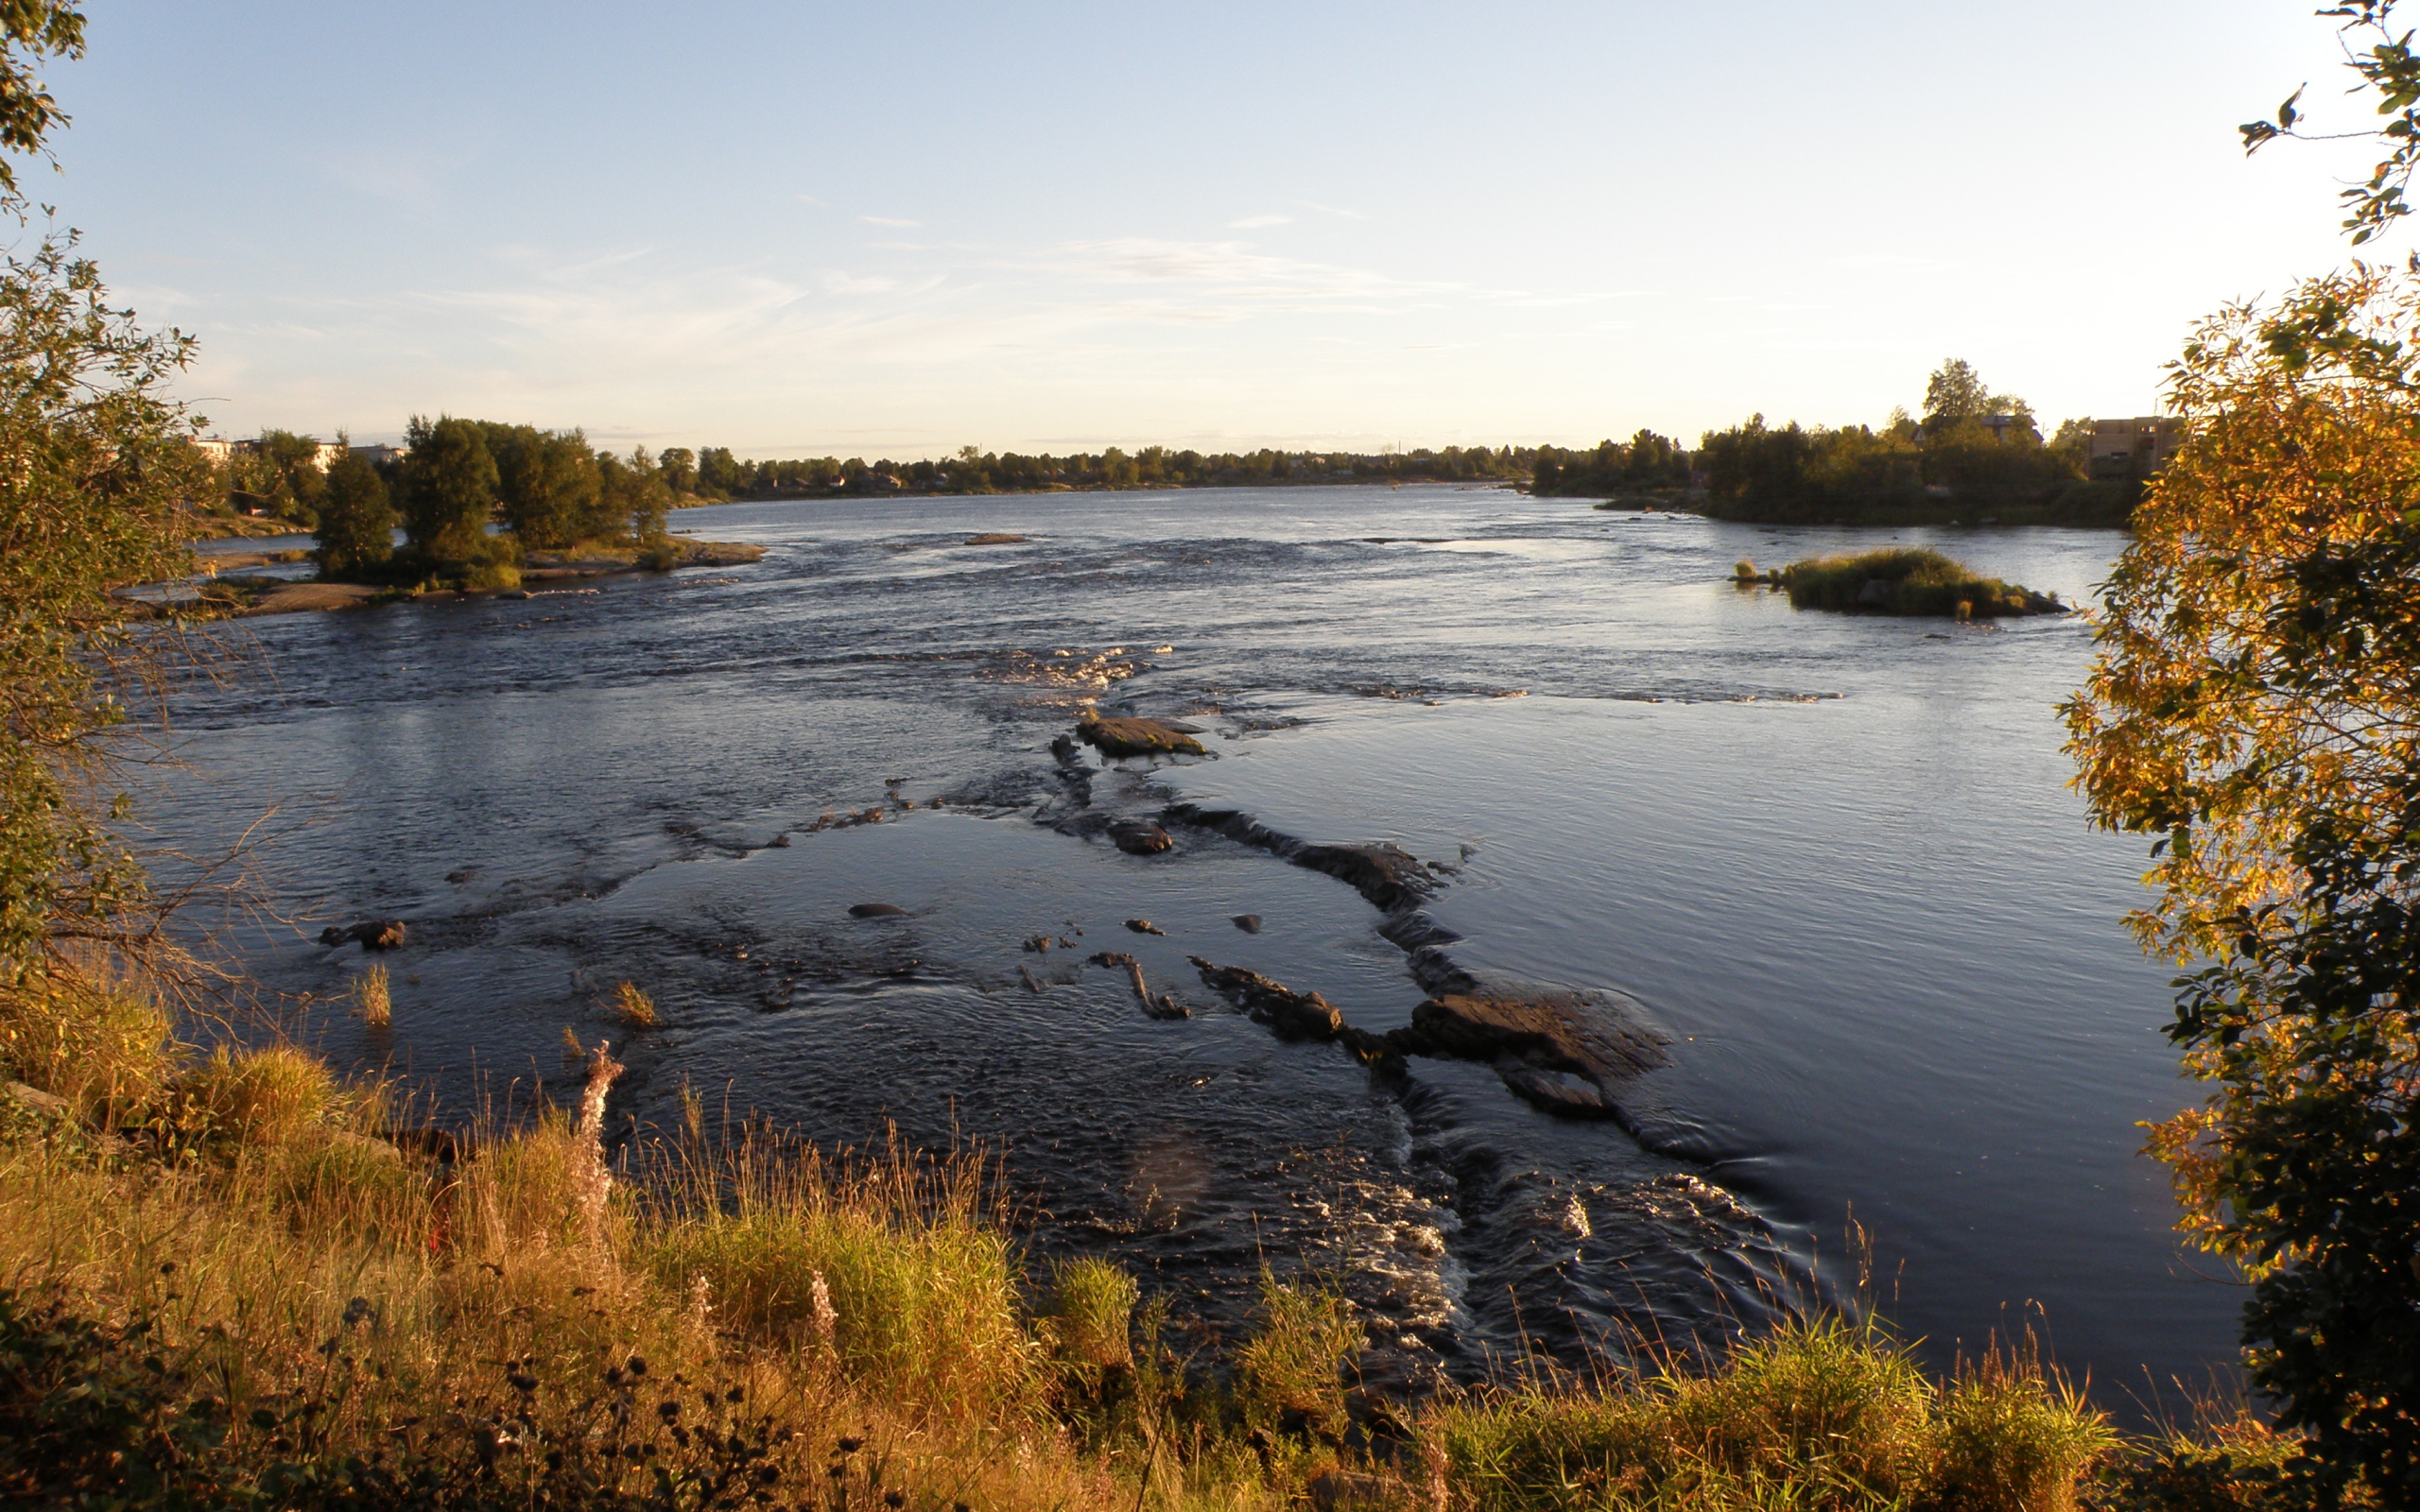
(238, 1272)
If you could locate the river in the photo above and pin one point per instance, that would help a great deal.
(1833, 859)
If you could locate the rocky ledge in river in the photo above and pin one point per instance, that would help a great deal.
(1559, 1050)
(1563, 1051)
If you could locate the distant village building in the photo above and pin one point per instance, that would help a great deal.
(2134, 448)
(379, 455)
(218, 451)
(1999, 425)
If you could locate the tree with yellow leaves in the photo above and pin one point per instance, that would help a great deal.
(2257, 705)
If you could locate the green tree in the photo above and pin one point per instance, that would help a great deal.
(549, 485)
(634, 497)
(94, 462)
(356, 523)
(449, 490)
(679, 466)
(291, 480)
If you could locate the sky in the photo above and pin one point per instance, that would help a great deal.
(892, 229)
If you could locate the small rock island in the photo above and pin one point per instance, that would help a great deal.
(1907, 581)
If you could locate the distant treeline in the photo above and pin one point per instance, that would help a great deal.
(1650, 463)
(716, 473)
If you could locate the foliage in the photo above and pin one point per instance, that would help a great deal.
(1906, 471)
(357, 529)
(1289, 1372)
(1823, 1413)
(1649, 462)
(2388, 68)
(2254, 705)
(549, 485)
(1902, 580)
(449, 488)
(31, 30)
(95, 460)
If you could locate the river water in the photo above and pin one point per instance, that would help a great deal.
(1832, 860)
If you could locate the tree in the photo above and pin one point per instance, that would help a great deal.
(2256, 704)
(449, 488)
(679, 466)
(549, 485)
(1956, 393)
(94, 462)
(634, 497)
(356, 522)
(291, 482)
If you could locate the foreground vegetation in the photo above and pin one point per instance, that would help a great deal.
(1909, 581)
(219, 1288)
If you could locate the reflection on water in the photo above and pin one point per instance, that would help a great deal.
(1833, 857)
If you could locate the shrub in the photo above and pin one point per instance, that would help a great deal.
(1092, 1311)
(104, 1048)
(252, 1097)
(1905, 580)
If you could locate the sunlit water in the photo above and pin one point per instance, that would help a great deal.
(1834, 858)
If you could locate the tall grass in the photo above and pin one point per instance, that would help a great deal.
(371, 1003)
(535, 1326)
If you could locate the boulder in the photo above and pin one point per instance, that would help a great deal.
(1143, 926)
(1135, 737)
(1249, 923)
(875, 911)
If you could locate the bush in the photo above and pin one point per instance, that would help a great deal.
(1905, 580)
(252, 1097)
(106, 1049)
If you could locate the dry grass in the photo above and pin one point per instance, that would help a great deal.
(347, 1304)
(371, 1003)
(633, 1009)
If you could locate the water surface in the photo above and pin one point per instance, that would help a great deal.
(1834, 858)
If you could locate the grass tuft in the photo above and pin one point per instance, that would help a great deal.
(370, 1002)
(633, 1009)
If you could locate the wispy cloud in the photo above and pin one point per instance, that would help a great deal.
(892, 222)
(1256, 222)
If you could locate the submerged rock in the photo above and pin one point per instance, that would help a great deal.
(875, 911)
(1136, 737)
(1249, 923)
(1162, 1006)
(1143, 926)
(373, 933)
(1140, 838)
(995, 537)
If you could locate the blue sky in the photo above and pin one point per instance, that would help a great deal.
(800, 228)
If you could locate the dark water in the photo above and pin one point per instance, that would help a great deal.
(1833, 858)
